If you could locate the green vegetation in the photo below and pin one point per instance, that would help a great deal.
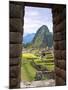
(28, 71)
(29, 56)
(38, 55)
(43, 38)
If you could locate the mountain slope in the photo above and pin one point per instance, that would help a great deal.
(43, 37)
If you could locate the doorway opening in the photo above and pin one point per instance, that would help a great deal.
(37, 65)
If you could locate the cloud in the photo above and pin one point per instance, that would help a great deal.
(35, 18)
(33, 13)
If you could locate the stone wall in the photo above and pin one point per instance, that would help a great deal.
(59, 28)
(16, 32)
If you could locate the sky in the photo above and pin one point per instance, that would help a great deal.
(36, 17)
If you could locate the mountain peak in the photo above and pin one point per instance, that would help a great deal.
(42, 37)
(44, 28)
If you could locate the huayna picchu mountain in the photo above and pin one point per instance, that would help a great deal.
(43, 38)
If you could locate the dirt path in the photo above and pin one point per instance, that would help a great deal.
(44, 83)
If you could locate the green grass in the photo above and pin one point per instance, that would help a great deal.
(49, 57)
(50, 67)
(29, 56)
(28, 72)
(48, 52)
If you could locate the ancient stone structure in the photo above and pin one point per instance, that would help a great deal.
(16, 32)
(16, 20)
(59, 28)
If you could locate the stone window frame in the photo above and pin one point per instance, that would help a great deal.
(16, 21)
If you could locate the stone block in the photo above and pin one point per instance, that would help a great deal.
(14, 83)
(59, 17)
(57, 54)
(62, 45)
(56, 47)
(15, 50)
(59, 36)
(16, 37)
(15, 61)
(63, 54)
(61, 64)
(60, 27)
(15, 11)
(60, 72)
(14, 71)
(59, 81)
(16, 25)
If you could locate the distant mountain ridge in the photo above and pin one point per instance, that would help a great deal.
(28, 38)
